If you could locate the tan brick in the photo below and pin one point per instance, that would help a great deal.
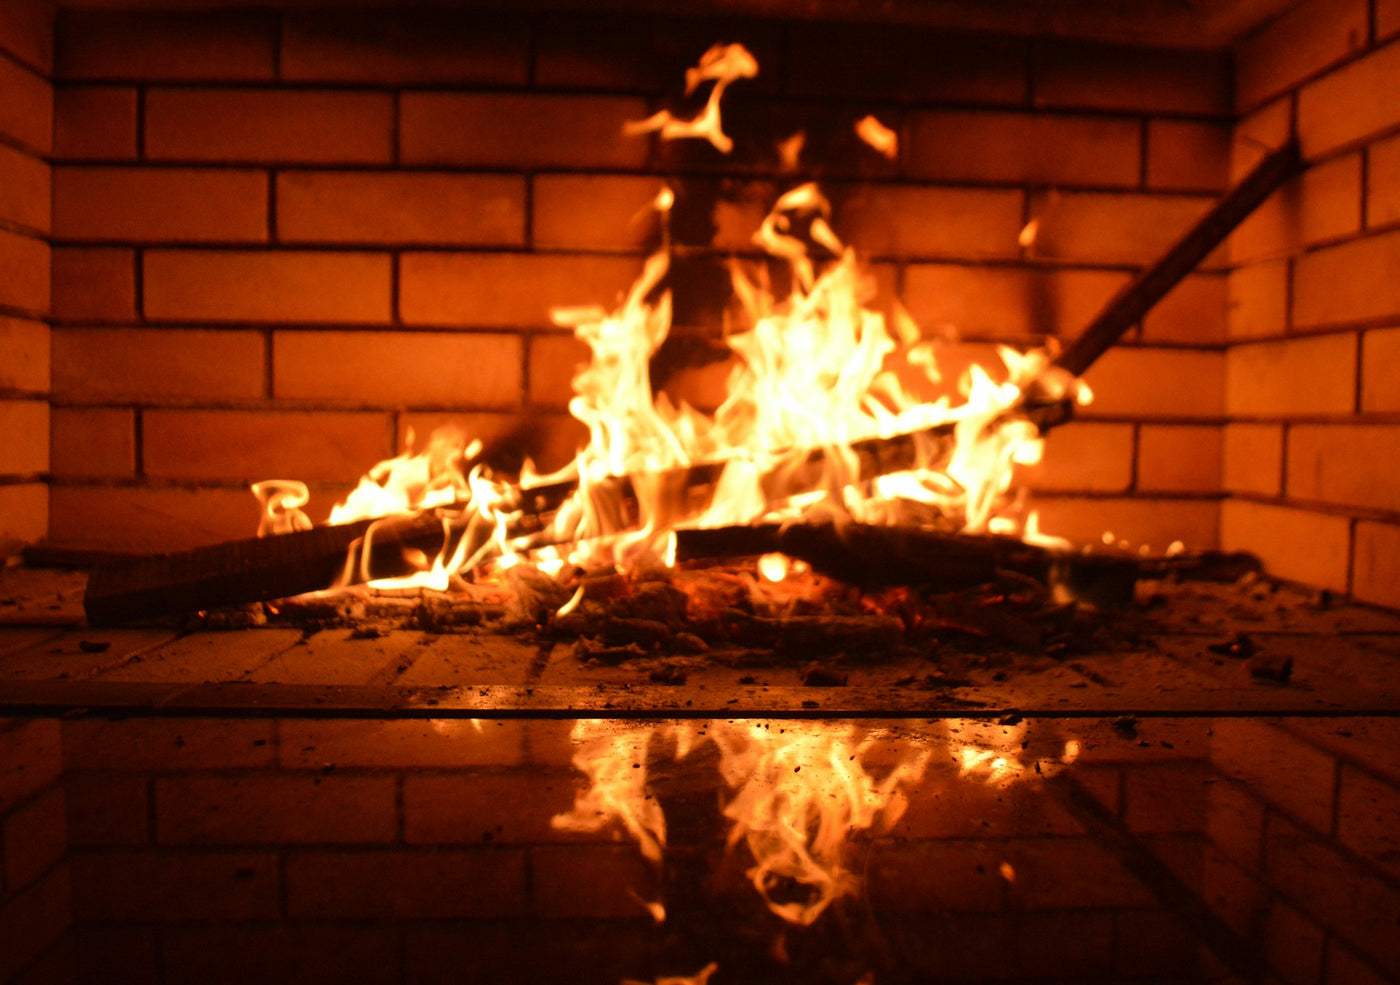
(438, 885)
(93, 443)
(485, 808)
(1383, 183)
(249, 445)
(1166, 797)
(1234, 823)
(1006, 302)
(433, 743)
(209, 46)
(34, 839)
(199, 658)
(1311, 548)
(33, 921)
(1341, 108)
(1376, 566)
(398, 368)
(1322, 203)
(155, 744)
(1258, 300)
(94, 123)
(107, 809)
(917, 222)
(1348, 282)
(519, 131)
(272, 809)
(32, 761)
(1108, 77)
(1154, 522)
(143, 519)
(1193, 311)
(508, 290)
(24, 189)
(1282, 769)
(25, 260)
(1293, 944)
(170, 887)
(24, 354)
(97, 284)
(594, 212)
(1253, 136)
(26, 31)
(1302, 42)
(1356, 465)
(152, 205)
(1102, 227)
(1064, 150)
(289, 285)
(26, 114)
(1179, 459)
(1253, 459)
(263, 126)
(421, 207)
(1157, 382)
(554, 360)
(944, 806)
(25, 423)
(1085, 458)
(156, 365)
(1315, 375)
(404, 46)
(1184, 155)
(24, 513)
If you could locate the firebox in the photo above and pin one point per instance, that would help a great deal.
(289, 240)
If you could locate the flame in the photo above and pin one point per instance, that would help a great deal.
(877, 135)
(722, 65)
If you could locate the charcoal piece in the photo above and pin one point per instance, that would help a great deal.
(647, 633)
(821, 676)
(1273, 667)
(658, 601)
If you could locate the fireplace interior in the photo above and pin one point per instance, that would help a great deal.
(242, 241)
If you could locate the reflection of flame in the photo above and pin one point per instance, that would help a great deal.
(701, 977)
(615, 761)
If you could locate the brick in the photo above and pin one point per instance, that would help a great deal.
(1064, 150)
(1186, 155)
(107, 809)
(172, 887)
(1294, 544)
(1085, 458)
(1322, 203)
(1380, 362)
(1254, 135)
(554, 361)
(1293, 944)
(24, 513)
(26, 114)
(599, 881)
(830, 59)
(272, 809)
(1157, 382)
(1346, 465)
(94, 123)
(405, 47)
(26, 31)
(288, 285)
(32, 921)
(1074, 74)
(1302, 42)
(438, 885)
(934, 876)
(484, 808)
(252, 445)
(93, 444)
(1153, 942)
(24, 354)
(279, 954)
(158, 47)
(25, 260)
(1289, 773)
(1154, 522)
(31, 761)
(421, 207)
(1350, 282)
(160, 205)
(507, 290)
(1104, 227)
(264, 126)
(1314, 375)
(1167, 798)
(1375, 571)
(434, 743)
(1193, 312)
(519, 130)
(1006, 302)
(144, 519)
(1059, 873)
(1364, 805)
(1258, 300)
(26, 449)
(1253, 459)
(94, 284)
(594, 212)
(932, 222)
(1383, 183)
(1341, 108)
(1179, 459)
(135, 949)
(200, 658)
(1234, 823)
(1387, 19)
(153, 744)
(157, 365)
(24, 189)
(532, 951)
(34, 838)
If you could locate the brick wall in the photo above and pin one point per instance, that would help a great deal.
(26, 116)
(1310, 448)
(282, 240)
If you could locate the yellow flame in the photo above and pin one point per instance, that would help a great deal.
(722, 64)
(877, 135)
